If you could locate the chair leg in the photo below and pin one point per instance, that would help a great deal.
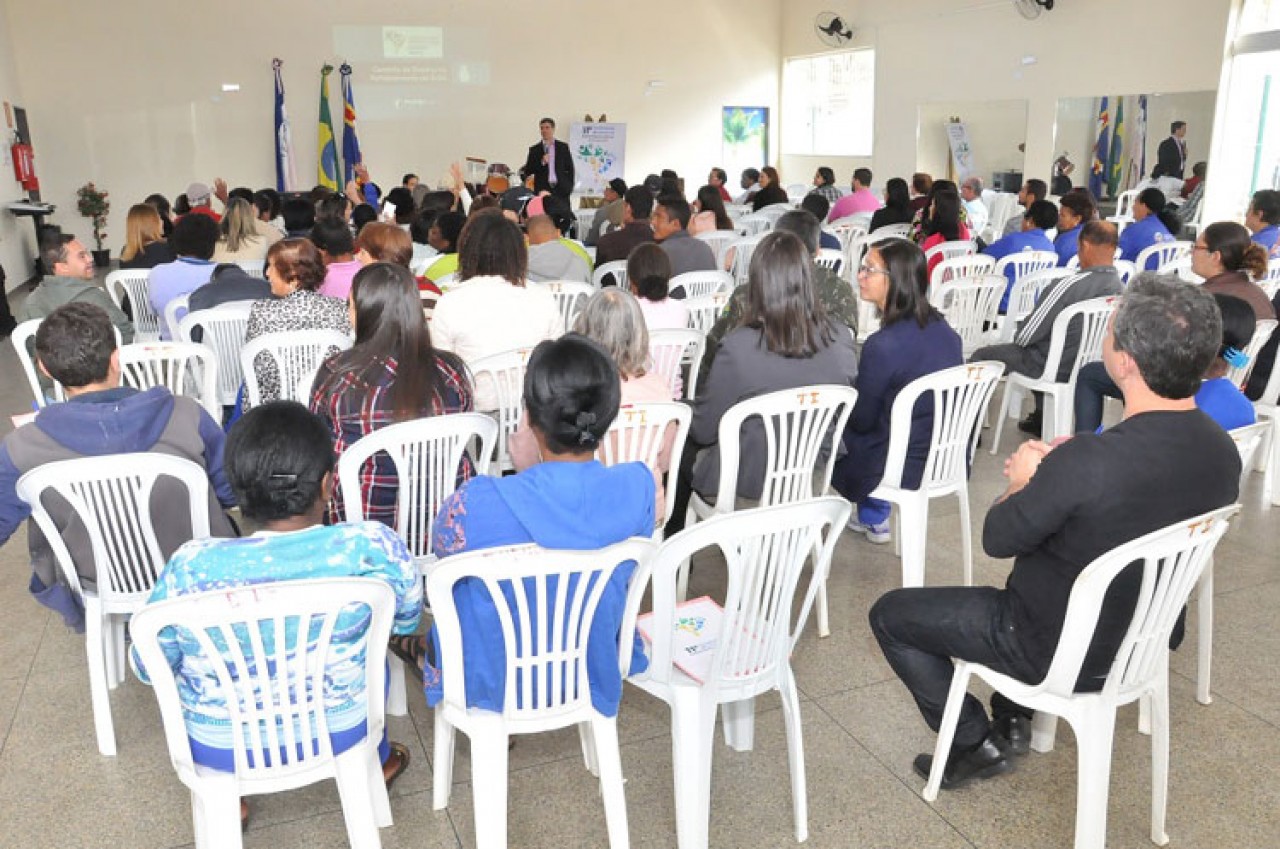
(489, 783)
(351, 773)
(1204, 639)
(795, 754)
(1094, 733)
(693, 721)
(1144, 715)
(824, 623)
(947, 730)
(914, 524)
(397, 689)
(99, 694)
(442, 775)
(1004, 414)
(216, 815)
(966, 534)
(1044, 730)
(1159, 760)
(603, 731)
(739, 720)
(586, 738)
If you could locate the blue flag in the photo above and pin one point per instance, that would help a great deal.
(286, 173)
(350, 144)
(1098, 168)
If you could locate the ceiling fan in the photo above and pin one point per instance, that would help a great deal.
(1031, 9)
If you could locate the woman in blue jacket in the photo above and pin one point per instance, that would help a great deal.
(1154, 222)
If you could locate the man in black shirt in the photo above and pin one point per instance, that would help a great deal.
(1066, 505)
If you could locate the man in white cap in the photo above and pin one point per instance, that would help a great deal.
(199, 195)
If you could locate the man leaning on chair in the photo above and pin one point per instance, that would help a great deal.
(1065, 505)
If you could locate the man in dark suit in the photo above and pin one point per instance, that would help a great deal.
(1171, 158)
(549, 162)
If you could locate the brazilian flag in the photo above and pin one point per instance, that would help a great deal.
(1115, 157)
(327, 175)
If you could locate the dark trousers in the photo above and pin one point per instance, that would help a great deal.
(1092, 385)
(921, 629)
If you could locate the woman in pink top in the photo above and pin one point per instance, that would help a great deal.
(942, 224)
(709, 213)
(337, 246)
(649, 273)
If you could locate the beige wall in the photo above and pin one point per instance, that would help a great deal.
(146, 112)
(17, 236)
(930, 51)
(995, 129)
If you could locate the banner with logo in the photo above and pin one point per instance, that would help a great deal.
(599, 154)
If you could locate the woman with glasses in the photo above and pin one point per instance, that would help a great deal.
(1231, 264)
(913, 340)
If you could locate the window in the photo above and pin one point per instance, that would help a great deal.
(828, 103)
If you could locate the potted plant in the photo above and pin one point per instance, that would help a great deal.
(93, 204)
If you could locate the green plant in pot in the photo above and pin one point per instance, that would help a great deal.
(92, 203)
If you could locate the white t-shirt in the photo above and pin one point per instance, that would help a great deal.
(667, 314)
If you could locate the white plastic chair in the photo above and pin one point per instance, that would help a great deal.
(1239, 375)
(174, 312)
(803, 428)
(830, 259)
(254, 268)
(547, 680)
(704, 312)
(952, 250)
(1024, 296)
(960, 396)
(136, 283)
(426, 454)
(755, 224)
(638, 435)
(670, 350)
(1181, 268)
(1271, 283)
(1091, 318)
(1161, 254)
(955, 268)
(184, 368)
(847, 229)
(971, 306)
(256, 641)
(570, 297)
(110, 496)
(765, 551)
(890, 231)
(295, 353)
(1172, 560)
(1026, 262)
(618, 268)
(223, 329)
(23, 339)
(699, 284)
(1125, 269)
(1267, 408)
(719, 240)
(741, 259)
(1124, 210)
(505, 371)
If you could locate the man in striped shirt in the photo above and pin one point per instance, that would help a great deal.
(1097, 278)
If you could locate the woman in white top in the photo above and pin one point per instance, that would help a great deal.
(489, 310)
(240, 240)
(649, 273)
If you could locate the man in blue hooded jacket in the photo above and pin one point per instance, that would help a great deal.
(75, 346)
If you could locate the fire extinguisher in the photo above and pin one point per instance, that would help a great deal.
(24, 165)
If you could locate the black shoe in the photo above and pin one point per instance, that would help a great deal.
(986, 761)
(1012, 734)
(1032, 424)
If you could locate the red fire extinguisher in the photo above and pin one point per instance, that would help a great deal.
(24, 165)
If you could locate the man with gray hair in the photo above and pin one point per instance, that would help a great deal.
(1065, 505)
(971, 194)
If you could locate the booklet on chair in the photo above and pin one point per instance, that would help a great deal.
(697, 633)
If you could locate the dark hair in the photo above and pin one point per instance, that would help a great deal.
(75, 342)
(896, 194)
(404, 181)
(1200, 169)
(181, 204)
(781, 301)
(772, 173)
(451, 224)
(268, 203)
(677, 209)
(390, 326)
(719, 172)
(53, 246)
(710, 201)
(1037, 189)
(944, 214)
(161, 203)
(571, 393)
(1175, 126)
(420, 227)
(492, 245)
(195, 235)
(649, 270)
(1238, 322)
(333, 205)
(922, 183)
(806, 227)
(386, 243)
(1171, 329)
(362, 216)
(666, 186)
(862, 175)
(551, 121)
(482, 203)
(1154, 200)
(1043, 214)
(403, 200)
(332, 236)
(319, 193)
(243, 192)
(828, 176)
(277, 454)
(560, 212)
(816, 204)
(751, 173)
(907, 272)
(299, 214)
(437, 203)
(1100, 233)
(297, 260)
(1238, 252)
(640, 201)
(1266, 202)
(1080, 203)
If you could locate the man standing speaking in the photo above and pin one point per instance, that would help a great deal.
(549, 162)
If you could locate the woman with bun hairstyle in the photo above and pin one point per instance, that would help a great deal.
(566, 500)
(1219, 398)
(1230, 263)
(1154, 220)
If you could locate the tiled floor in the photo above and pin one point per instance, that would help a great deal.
(860, 728)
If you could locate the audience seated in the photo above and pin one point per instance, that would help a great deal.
(921, 191)
(444, 236)
(824, 184)
(771, 190)
(1263, 220)
(1032, 190)
(861, 199)
(227, 284)
(391, 374)
(200, 202)
(637, 204)
(550, 258)
(716, 178)
(1074, 211)
(71, 281)
(144, 241)
(271, 223)
(913, 340)
(609, 214)
(817, 206)
(971, 194)
(332, 237)
(1040, 217)
(670, 218)
(750, 184)
(240, 240)
(299, 214)
(1218, 397)
(897, 206)
(161, 205)
(945, 223)
(709, 213)
(1154, 222)
(649, 276)
(76, 346)
(921, 216)
(194, 238)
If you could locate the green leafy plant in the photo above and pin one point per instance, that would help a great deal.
(93, 204)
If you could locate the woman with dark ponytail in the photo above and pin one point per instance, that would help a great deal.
(1154, 221)
(1231, 263)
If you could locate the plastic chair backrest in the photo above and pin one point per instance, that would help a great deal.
(959, 396)
(1271, 282)
(269, 648)
(1161, 254)
(953, 249)
(254, 268)
(719, 240)
(755, 224)
(618, 268)
(1091, 318)
(970, 305)
(570, 297)
(704, 312)
(1239, 375)
(1024, 296)
(699, 284)
(111, 496)
(546, 666)
(890, 231)
(505, 373)
(742, 250)
(638, 435)
(23, 339)
(670, 349)
(967, 265)
(174, 312)
(1248, 440)
(1171, 560)
(427, 454)
(136, 283)
(830, 259)
(1125, 269)
(765, 551)
(1124, 206)
(295, 352)
(184, 368)
(1181, 268)
(802, 427)
(223, 329)
(1026, 262)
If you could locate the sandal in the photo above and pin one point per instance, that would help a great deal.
(401, 755)
(411, 648)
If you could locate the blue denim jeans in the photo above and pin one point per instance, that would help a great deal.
(1092, 385)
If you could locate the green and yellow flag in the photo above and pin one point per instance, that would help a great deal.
(327, 171)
